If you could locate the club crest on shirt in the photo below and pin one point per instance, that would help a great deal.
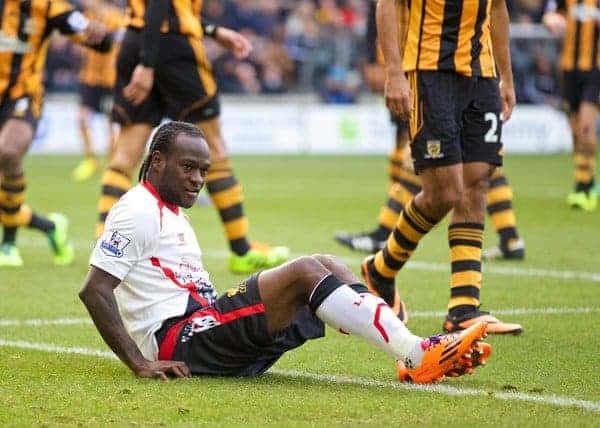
(114, 244)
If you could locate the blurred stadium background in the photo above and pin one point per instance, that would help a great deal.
(302, 88)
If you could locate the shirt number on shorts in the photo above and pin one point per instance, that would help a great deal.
(491, 136)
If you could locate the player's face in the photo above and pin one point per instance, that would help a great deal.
(185, 171)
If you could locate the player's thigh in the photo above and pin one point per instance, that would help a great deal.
(434, 122)
(151, 110)
(232, 337)
(481, 132)
(572, 86)
(130, 146)
(185, 80)
(211, 129)
(18, 124)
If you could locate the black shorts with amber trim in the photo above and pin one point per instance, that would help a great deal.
(454, 119)
(581, 86)
(184, 87)
(96, 98)
(230, 338)
(26, 108)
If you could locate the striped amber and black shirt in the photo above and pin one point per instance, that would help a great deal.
(580, 46)
(183, 16)
(25, 29)
(450, 35)
(99, 69)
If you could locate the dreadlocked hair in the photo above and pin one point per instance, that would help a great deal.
(162, 139)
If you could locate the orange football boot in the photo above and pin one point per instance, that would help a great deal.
(494, 325)
(453, 354)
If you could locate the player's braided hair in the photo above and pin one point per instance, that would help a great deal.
(163, 137)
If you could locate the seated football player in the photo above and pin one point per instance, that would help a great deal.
(154, 304)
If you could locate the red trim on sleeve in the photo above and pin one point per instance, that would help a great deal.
(167, 347)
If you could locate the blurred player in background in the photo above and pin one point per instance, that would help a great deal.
(405, 184)
(163, 71)
(456, 91)
(96, 79)
(579, 23)
(25, 30)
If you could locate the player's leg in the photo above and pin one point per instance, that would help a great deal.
(189, 88)
(116, 179)
(437, 154)
(15, 138)
(89, 103)
(502, 214)
(584, 157)
(227, 196)
(136, 122)
(404, 185)
(481, 137)
(337, 298)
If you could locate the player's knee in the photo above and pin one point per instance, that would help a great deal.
(308, 270)
(10, 156)
(442, 199)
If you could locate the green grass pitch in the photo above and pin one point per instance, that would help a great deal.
(548, 376)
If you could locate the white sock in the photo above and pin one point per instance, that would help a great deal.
(369, 317)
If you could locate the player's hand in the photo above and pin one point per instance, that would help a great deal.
(94, 33)
(555, 23)
(140, 85)
(234, 42)
(508, 98)
(163, 369)
(398, 95)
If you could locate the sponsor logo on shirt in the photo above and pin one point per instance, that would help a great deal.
(114, 245)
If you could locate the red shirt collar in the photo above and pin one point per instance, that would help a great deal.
(161, 203)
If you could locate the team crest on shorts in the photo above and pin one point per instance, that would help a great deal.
(21, 107)
(434, 150)
(114, 245)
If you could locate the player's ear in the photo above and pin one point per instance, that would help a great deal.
(158, 160)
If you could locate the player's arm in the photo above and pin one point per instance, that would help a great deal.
(97, 296)
(142, 79)
(231, 40)
(70, 22)
(397, 90)
(500, 32)
(554, 17)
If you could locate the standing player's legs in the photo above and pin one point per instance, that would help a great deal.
(481, 140)
(404, 185)
(227, 196)
(584, 156)
(15, 138)
(127, 153)
(89, 102)
(136, 126)
(582, 91)
(186, 83)
(435, 130)
(502, 215)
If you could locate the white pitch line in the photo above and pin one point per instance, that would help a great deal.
(42, 322)
(36, 322)
(551, 400)
(493, 269)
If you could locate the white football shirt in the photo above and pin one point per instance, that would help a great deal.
(151, 247)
